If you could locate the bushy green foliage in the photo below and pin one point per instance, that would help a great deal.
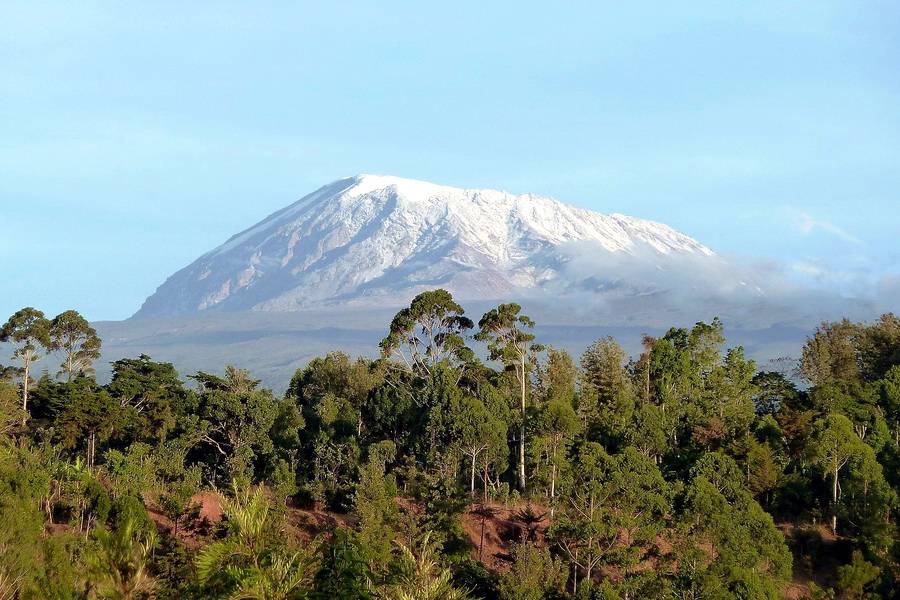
(534, 574)
(427, 473)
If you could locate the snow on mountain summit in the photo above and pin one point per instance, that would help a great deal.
(375, 239)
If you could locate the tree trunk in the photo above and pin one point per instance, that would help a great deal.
(834, 498)
(522, 430)
(485, 482)
(91, 450)
(25, 389)
(481, 543)
(575, 576)
(472, 479)
(553, 483)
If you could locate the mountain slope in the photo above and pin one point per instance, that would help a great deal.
(375, 240)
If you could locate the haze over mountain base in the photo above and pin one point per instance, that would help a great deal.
(329, 271)
(273, 345)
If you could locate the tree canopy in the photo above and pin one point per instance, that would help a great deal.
(432, 472)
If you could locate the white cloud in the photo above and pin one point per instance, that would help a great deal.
(806, 223)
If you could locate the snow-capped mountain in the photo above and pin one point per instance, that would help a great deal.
(376, 240)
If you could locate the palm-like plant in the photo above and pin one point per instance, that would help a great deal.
(118, 569)
(252, 568)
(532, 520)
(422, 577)
(282, 576)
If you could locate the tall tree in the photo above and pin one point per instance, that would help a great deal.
(236, 419)
(476, 431)
(374, 507)
(338, 375)
(29, 329)
(831, 354)
(890, 400)
(10, 413)
(431, 330)
(90, 416)
(581, 533)
(879, 347)
(750, 559)
(773, 392)
(557, 425)
(558, 377)
(73, 335)
(603, 365)
(504, 330)
(615, 507)
(152, 397)
(726, 407)
(607, 398)
(834, 444)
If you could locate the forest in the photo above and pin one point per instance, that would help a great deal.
(467, 461)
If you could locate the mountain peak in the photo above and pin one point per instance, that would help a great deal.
(365, 183)
(380, 238)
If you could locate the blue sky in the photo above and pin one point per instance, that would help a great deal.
(136, 136)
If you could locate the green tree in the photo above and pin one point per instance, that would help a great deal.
(762, 469)
(476, 431)
(534, 574)
(152, 397)
(332, 450)
(581, 532)
(557, 377)
(343, 574)
(856, 576)
(773, 391)
(749, 558)
(89, 417)
(834, 443)
(616, 506)
(879, 347)
(608, 397)
(375, 509)
(78, 341)
(23, 482)
(868, 501)
(29, 330)
(504, 330)
(603, 368)
(236, 419)
(557, 425)
(730, 392)
(430, 331)
(10, 411)
(339, 376)
(176, 500)
(889, 400)
(831, 354)
(649, 430)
